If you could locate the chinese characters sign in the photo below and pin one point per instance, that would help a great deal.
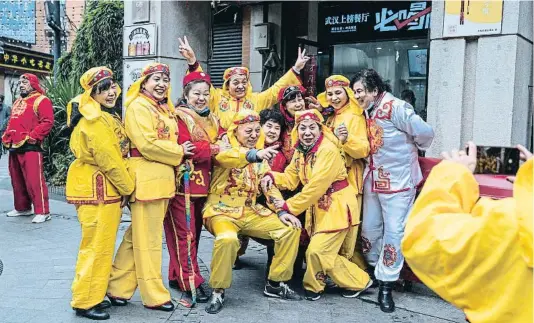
(26, 61)
(371, 20)
(472, 18)
(17, 20)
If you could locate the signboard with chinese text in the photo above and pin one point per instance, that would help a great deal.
(358, 21)
(17, 20)
(139, 40)
(472, 18)
(16, 59)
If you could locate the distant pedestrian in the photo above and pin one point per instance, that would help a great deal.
(5, 112)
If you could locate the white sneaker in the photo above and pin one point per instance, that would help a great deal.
(19, 213)
(40, 218)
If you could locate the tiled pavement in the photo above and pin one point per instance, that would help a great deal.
(39, 266)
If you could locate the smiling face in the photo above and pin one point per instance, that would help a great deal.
(157, 85)
(363, 96)
(237, 86)
(107, 97)
(337, 97)
(294, 105)
(308, 131)
(272, 131)
(248, 134)
(198, 95)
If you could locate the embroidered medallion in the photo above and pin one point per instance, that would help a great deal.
(383, 183)
(390, 255)
(247, 105)
(324, 202)
(163, 130)
(366, 245)
(376, 136)
(224, 105)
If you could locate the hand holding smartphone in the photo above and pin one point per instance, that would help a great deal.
(497, 160)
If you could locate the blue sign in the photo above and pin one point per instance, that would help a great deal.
(17, 20)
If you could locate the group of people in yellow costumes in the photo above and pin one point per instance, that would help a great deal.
(224, 159)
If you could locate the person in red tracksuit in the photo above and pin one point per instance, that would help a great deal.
(32, 118)
(199, 127)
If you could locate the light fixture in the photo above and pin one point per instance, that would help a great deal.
(379, 48)
(415, 46)
(319, 52)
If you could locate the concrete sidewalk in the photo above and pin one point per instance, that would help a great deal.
(39, 262)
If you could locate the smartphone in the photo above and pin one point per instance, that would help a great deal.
(497, 160)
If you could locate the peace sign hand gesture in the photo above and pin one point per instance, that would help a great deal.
(187, 52)
(301, 60)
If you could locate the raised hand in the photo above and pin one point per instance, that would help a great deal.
(524, 153)
(313, 103)
(301, 60)
(342, 133)
(186, 51)
(267, 153)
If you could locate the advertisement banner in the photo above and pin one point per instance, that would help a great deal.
(357, 21)
(139, 40)
(472, 18)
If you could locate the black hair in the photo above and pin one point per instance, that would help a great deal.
(272, 115)
(2, 97)
(102, 86)
(188, 86)
(371, 81)
(408, 96)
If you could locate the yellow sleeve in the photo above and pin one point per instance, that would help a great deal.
(289, 179)
(102, 143)
(357, 144)
(451, 241)
(139, 128)
(232, 158)
(215, 94)
(269, 97)
(327, 167)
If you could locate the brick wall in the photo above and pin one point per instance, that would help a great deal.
(246, 36)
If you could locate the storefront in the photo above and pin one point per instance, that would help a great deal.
(388, 36)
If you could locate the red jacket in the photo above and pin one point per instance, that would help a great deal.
(203, 133)
(279, 162)
(31, 120)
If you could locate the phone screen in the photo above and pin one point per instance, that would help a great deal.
(497, 160)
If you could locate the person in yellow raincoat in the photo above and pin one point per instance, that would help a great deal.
(474, 252)
(347, 122)
(330, 204)
(97, 181)
(236, 93)
(231, 209)
(154, 153)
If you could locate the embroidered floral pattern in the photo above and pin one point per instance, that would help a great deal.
(224, 105)
(247, 105)
(384, 112)
(383, 183)
(390, 255)
(376, 135)
(325, 201)
(366, 245)
(163, 130)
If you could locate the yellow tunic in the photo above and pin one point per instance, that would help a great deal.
(326, 212)
(475, 253)
(99, 174)
(153, 132)
(235, 185)
(225, 106)
(357, 145)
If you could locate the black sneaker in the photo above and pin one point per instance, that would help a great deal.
(312, 296)
(283, 291)
(215, 304)
(330, 283)
(355, 293)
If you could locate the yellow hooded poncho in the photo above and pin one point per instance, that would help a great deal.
(99, 143)
(356, 148)
(327, 197)
(225, 106)
(475, 253)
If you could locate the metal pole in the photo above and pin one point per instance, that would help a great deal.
(57, 36)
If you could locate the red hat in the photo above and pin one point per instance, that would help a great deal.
(196, 76)
(34, 82)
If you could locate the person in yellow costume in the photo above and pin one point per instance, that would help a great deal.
(231, 209)
(474, 252)
(154, 153)
(330, 205)
(236, 93)
(347, 122)
(97, 181)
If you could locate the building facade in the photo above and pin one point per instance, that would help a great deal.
(468, 63)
